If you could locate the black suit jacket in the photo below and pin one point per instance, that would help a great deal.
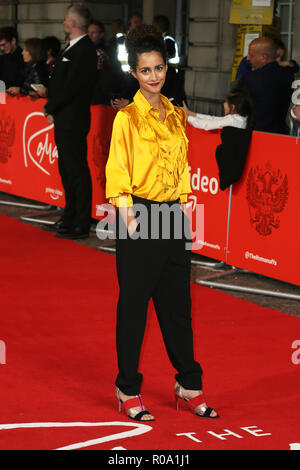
(12, 68)
(71, 86)
(270, 89)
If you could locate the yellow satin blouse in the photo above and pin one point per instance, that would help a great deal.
(148, 157)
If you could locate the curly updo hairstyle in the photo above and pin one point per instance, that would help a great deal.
(143, 39)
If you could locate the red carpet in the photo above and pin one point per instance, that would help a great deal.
(57, 324)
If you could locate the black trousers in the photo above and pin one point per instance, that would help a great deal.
(75, 176)
(157, 269)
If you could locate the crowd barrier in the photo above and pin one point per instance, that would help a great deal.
(28, 155)
(252, 225)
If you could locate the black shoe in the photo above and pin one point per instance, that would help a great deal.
(74, 233)
(58, 227)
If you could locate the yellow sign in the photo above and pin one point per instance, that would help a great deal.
(246, 34)
(251, 11)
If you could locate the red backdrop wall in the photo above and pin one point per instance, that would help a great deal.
(263, 231)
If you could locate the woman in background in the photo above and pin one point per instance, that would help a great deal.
(37, 72)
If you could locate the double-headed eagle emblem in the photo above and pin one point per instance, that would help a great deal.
(7, 137)
(267, 194)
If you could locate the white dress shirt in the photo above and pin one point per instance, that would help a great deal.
(73, 42)
(207, 122)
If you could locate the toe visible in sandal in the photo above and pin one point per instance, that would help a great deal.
(196, 404)
(134, 408)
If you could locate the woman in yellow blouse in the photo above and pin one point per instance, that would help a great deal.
(147, 172)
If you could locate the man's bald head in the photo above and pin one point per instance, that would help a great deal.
(262, 51)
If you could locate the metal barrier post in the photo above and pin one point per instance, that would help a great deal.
(218, 285)
(209, 280)
(25, 205)
(218, 264)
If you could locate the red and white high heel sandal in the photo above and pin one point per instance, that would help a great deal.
(130, 407)
(197, 405)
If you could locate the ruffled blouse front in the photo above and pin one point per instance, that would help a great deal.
(148, 157)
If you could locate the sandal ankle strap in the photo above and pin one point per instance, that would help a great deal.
(197, 401)
(135, 402)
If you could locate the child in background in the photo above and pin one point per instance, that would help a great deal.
(236, 134)
(238, 113)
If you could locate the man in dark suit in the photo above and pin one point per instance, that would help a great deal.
(69, 97)
(269, 85)
(12, 67)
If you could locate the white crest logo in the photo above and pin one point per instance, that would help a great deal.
(45, 151)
